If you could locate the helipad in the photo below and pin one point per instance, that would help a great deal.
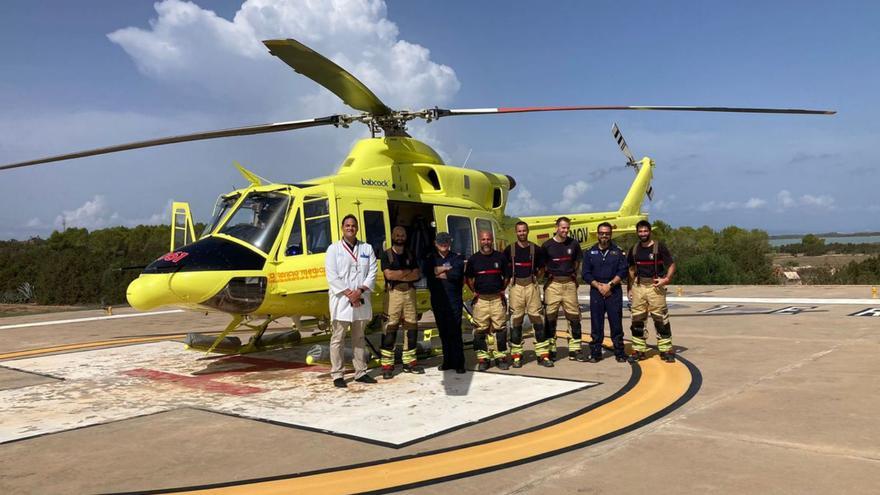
(776, 394)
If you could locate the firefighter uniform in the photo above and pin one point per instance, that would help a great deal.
(561, 290)
(489, 273)
(525, 299)
(400, 305)
(650, 264)
(446, 302)
(602, 266)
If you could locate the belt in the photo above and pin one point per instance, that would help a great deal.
(646, 280)
(402, 286)
(524, 281)
(490, 297)
(562, 278)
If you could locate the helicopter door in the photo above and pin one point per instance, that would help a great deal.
(182, 231)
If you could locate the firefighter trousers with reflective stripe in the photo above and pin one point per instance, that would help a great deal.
(648, 300)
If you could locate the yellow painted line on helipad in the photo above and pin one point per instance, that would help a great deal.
(661, 385)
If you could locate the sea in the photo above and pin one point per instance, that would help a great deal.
(866, 239)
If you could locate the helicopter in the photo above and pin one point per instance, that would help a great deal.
(261, 256)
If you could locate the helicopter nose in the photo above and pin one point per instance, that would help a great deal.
(186, 289)
(212, 272)
(150, 291)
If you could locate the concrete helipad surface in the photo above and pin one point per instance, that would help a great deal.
(777, 392)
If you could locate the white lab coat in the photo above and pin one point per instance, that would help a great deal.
(344, 273)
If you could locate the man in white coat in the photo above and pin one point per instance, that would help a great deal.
(351, 274)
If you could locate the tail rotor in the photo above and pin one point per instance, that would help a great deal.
(630, 159)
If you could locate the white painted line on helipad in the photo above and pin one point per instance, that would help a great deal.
(93, 318)
(765, 300)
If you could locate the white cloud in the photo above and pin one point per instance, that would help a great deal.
(787, 200)
(751, 204)
(823, 201)
(613, 205)
(523, 203)
(571, 195)
(97, 214)
(192, 46)
(94, 214)
(35, 223)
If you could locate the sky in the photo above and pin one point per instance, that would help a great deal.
(80, 75)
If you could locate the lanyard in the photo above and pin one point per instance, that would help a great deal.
(349, 250)
(605, 254)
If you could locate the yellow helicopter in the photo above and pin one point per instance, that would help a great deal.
(261, 257)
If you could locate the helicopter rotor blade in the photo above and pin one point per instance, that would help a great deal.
(440, 112)
(325, 72)
(199, 136)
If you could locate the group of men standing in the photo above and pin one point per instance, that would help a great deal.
(492, 277)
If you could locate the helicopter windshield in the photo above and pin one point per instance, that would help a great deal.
(221, 208)
(258, 219)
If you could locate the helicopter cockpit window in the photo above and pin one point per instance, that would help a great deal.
(221, 208)
(316, 211)
(295, 240)
(258, 219)
(462, 235)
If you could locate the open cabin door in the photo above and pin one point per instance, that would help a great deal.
(182, 230)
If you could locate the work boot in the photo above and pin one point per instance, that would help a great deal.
(387, 372)
(620, 358)
(638, 356)
(668, 356)
(365, 379)
(595, 359)
(483, 365)
(413, 368)
(502, 364)
(339, 383)
(545, 362)
(577, 356)
(517, 363)
(552, 355)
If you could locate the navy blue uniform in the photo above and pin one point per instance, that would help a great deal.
(603, 266)
(446, 302)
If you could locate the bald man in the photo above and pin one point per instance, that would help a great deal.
(401, 271)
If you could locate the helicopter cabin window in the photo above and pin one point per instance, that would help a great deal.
(258, 219)
(221, 208)
(484, 225)
(496, 198)
(462, 235)
(316, 211)
(467, 182)
(374, 226)
(295, 240)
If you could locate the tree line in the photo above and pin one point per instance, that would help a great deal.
(81, 267)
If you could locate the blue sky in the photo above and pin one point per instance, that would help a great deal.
(76, 75)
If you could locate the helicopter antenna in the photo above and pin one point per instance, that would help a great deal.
(630, 159)
(467, 158)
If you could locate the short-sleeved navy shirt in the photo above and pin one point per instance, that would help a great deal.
(562, 257)
(643, 258)
(389, 260)
(524, 266)
(489, 271)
